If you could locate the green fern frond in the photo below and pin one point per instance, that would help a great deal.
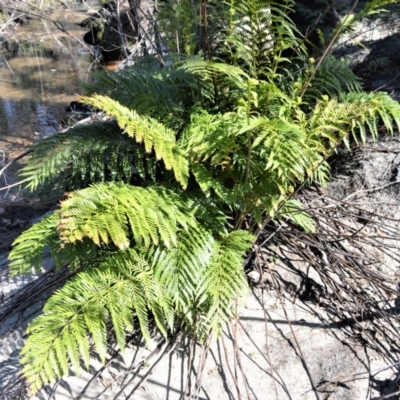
(356, 112)
(209, 214)
(210, 137)
(209, 70)
(225, 278)
(163, 94)
(333, 78)
(209, 181)
(122, 214)
(260, 32)
(250, 162)
(28, 248)
(371, 109)
(121, 287)
(274, 102)
(284, 143)
(182, 272)
(153, 134)
(83, 155)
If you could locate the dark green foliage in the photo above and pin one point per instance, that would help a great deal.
(333, 78)
(157, 94)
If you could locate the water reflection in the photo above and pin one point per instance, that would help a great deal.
(40, 68)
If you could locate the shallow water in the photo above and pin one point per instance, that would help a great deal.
(40, 73)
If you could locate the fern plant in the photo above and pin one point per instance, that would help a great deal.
(159, 202)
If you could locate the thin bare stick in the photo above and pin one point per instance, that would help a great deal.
(14, 160)
(192, 345)
(200, 367)
(371, 190)
(237, 353)
(230, 368)
(265, 314)
(281, 381)
(13, 185)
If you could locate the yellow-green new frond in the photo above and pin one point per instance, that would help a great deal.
(285, 148)
(124, 215)
(245, 159)
(155, 136)
(121, 288)
(358, 113)
(211, 138)
(371, 109)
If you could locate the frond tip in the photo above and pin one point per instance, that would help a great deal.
(152, 133)
(28, 248)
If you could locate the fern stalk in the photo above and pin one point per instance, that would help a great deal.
(328, 49)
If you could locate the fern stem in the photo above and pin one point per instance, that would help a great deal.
(327, 50)
(309, 32)
(249, 135)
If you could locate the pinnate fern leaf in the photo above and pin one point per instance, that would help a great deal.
(225, 278)
(29, 248)
(163, 94)
(122, 214)
(209, 70)
(356, 113)
(152, 133)
(182, 271)
(27, 252)
(121, 287)
(82, 155)
(334, 77)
